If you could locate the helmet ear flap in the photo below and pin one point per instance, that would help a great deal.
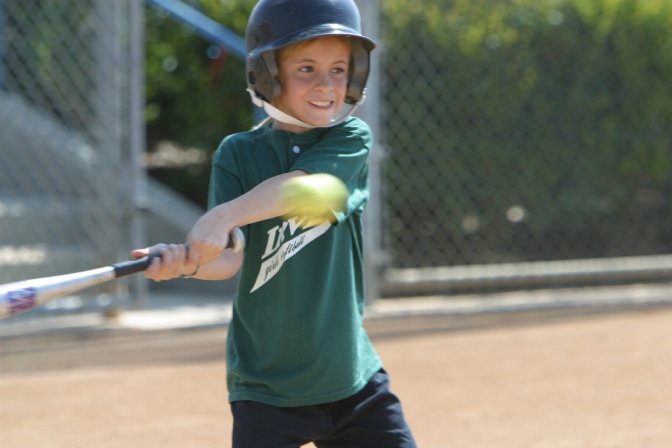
(261, 76)
(359, 72)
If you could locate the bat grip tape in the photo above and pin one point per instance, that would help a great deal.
(131, 267)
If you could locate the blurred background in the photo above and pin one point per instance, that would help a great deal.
(519, 144)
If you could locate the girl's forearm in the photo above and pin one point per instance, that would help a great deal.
(261, 203)
(223, 268)
(209, 236)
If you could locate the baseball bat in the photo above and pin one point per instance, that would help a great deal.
(22, 296)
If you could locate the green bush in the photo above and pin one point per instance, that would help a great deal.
(559, 107)
(195, 91)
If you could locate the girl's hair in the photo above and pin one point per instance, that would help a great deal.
(281, 53)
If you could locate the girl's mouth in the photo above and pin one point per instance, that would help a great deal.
(322, 104)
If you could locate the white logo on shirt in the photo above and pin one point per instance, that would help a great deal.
(279, 249)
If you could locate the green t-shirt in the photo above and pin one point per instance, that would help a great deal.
(296, 335)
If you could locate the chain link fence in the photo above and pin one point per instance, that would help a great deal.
(66, 175)
(525, 140)
(519, 142)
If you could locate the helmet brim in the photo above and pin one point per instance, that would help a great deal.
(324, 30)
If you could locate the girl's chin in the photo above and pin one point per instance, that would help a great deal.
(322, 120)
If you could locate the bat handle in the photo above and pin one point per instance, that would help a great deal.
(132, 266)
(236, 242)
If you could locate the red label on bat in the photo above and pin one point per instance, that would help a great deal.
(21, 300)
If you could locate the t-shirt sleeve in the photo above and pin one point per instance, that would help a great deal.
(225, 183)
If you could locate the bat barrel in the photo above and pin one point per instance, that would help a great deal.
(18, 297)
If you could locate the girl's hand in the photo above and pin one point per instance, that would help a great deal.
(171, 264)
(208, 238)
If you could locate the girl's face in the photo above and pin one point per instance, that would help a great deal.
(314, 78)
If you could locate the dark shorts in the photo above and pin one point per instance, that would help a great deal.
(369, 419)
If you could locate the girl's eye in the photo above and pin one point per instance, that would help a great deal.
(306, 69)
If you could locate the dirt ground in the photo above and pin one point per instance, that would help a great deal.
(564, 379)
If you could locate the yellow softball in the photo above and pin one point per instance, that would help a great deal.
(313, 198)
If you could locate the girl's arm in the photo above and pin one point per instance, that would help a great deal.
(206, 258)
(209, 236)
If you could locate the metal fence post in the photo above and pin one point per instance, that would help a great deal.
(139, 288)
(370, 112)
(2, 45)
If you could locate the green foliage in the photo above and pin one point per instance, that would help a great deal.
(195, 91)
(192, 86)
(559, 107)
(51, 48)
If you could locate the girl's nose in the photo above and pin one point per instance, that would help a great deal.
(324, 83)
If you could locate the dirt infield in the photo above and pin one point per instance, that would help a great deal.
(516, 380)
